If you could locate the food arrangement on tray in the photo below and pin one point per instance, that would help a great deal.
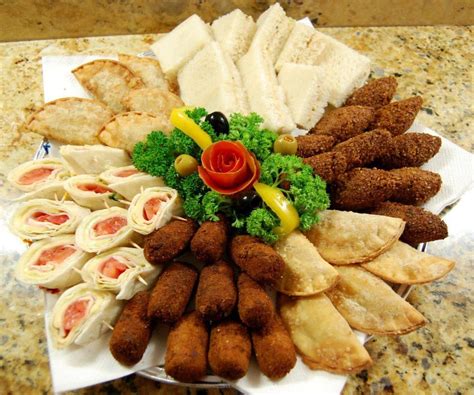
(200, 201)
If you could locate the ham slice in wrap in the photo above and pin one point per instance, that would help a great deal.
(81, 315)
(153, 208)
(89, 191)
(50, 263)
(103, 230)
(123, 271)
(42, 218)
(128, 181)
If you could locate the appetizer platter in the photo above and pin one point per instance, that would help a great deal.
(246, 187)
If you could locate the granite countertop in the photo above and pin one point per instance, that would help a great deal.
(434, 62)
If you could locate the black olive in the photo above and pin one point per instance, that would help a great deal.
(218, 122)
(247, 201)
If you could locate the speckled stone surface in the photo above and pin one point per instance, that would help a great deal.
(434, 62)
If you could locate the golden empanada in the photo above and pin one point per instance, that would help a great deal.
(322, 336)
(71, 120)
(371, 306)
(152, 100)
(345, 237)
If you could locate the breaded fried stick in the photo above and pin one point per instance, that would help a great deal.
(421, 225)
(255, 306)
(417, 185)
(314, 144)
(329, 165)
(375, 93)
(210, 241)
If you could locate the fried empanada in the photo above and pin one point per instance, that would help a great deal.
(71, 120)
(322, 336)
(126, 129)
(152, 100)
(402, 264)
(306, 272)
(345, 237)
(371, 306)
(109, 81)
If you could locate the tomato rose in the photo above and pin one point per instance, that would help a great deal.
(228, 167)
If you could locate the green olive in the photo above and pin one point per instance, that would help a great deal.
(185, 165)
(285, 144)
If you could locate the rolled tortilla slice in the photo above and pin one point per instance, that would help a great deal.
(53, 190)
(153, 208)
(89, 191)
(123, 271)
(42, 218)
(103, 230)
(51, 263)
(82, 315)
(35, 174)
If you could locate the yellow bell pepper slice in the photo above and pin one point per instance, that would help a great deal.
(190, 128)
(279, 204)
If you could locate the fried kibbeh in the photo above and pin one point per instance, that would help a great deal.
(345, 122)
(375, 93)
(417, 186)
(328, 165)
(314, 144)
(322, 336)
(371, 305)
(398, 116)
(209, 243)
(421, 225)
(344, 237)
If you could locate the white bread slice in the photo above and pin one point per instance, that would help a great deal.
(265, 96)
(234, 32)
(300, 47)
(211, 80)
(273, 29)
(179, 45)
(305, 91)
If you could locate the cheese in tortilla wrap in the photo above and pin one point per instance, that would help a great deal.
(153, 208)
(51, 190)
(103, 230)
(50, 263)
(42, 218)
(123, 271)
(82, 315)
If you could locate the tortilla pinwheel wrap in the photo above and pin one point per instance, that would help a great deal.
(128, 181)
(35, 174)
(53, 190)
(42, 218)
(123, 271)
(103, 230)
(52, 263)
(153, 208)
(89, 191)
(81, 315)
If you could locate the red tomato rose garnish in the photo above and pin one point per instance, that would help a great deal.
(228, 167)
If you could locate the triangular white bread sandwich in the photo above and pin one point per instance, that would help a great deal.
(301, 47)
(81, 315)
(153, 208)
(306, 93)
(344, 68)
(211, 80)
(273, 29)
(123, 271)
(179, 45)
(52, 263)
(266, 97)
(93, 159)
(234, 32)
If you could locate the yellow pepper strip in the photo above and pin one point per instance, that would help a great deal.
(190, 128)
(274, 198)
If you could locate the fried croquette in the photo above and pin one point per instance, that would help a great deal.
(255, 306)
(410, 150)
(132, 331)
(417, 185)
(168, 242)
(216, 294)
(314, 144)
(329, 165)
(274, 349)
(345, 122)
(172, 292)
(376, 93)
(259, 260)
(421, 225)
(186, 350)
(209, 243)
(229, 350)
(397, 117)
